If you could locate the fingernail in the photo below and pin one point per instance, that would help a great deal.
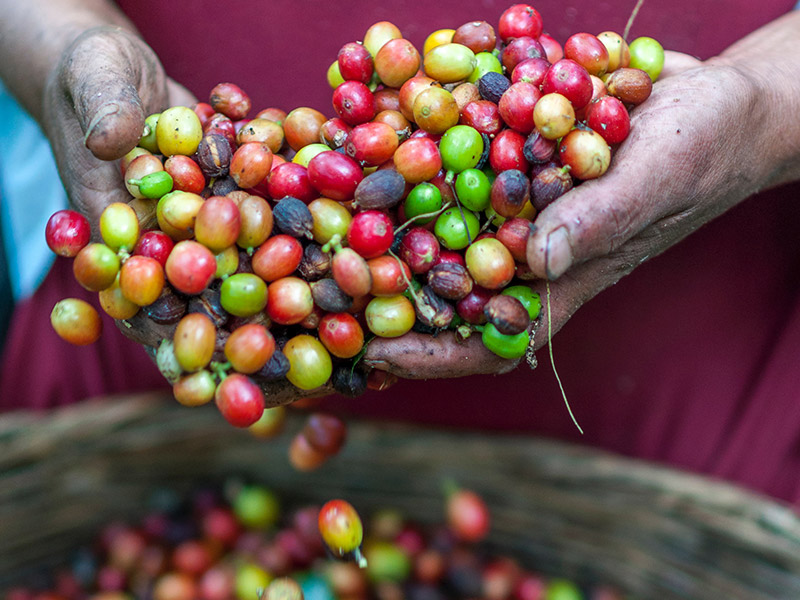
(104, 111)
(558, 255)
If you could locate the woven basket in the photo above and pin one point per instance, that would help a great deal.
(560, 509)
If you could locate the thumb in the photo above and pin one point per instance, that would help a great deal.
(592, 220)
(95, 106)
(106, 69)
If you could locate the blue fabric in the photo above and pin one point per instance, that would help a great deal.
(31, 191)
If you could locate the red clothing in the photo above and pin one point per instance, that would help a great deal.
(690, 360)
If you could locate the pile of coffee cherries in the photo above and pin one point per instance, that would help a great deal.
(241, 543)
(274, 245)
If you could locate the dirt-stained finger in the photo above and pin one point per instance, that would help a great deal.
(422, 356)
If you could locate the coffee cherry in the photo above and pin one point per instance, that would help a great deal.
(310, 363)
(95, 267)
(589, 52)
(435, 110)
(355, 62)
(230, 100)
(290, 301)
(115, 304)
(250, 164)
(340, 527)
(141, 280)
(256, 507)
(456, 229)
(195, 389)
(353, 102)
(243, 294)
(571, 80)
(585, 152)
(467, 515)
(67, 232)
(341, 334)
(218, 223)
(178, 131)
(490, 263)
(301, 127)
(76, 321)
(257, 221)
(505, 346)
(648, 55)
(240, 400)
(519, 20)
(194, 340)
(478, 36)
(609, 117)
(370, 233)
(390, 275)
(190, 267)
(390, 316)
(619, 54)
(119, 226)
(396, 62)
(418, 160)
(448, 63)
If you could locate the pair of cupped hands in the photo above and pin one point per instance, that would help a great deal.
(668, 178)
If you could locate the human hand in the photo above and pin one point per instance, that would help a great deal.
(682, 165)
(96, 101)
(690, 156)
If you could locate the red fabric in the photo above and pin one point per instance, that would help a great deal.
(39, 370)
(691, 360)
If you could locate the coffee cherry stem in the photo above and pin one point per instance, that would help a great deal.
(631, 19)
(421, 216)
(357, 358)
(220, 369)
(487, 225)
(425, 309)
(449, 176)
(552, 360)
(335, 243)
(464, 219)
(463, 332)
(359, 558)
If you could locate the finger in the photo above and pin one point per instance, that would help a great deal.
(676, 63)
(95, 106)
(105, 72)
(422, 356)
(279, 393)
(655, 179)
(592, 220)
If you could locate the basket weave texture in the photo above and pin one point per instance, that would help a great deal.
(560, 509)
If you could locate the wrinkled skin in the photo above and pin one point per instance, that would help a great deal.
(95, 105)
